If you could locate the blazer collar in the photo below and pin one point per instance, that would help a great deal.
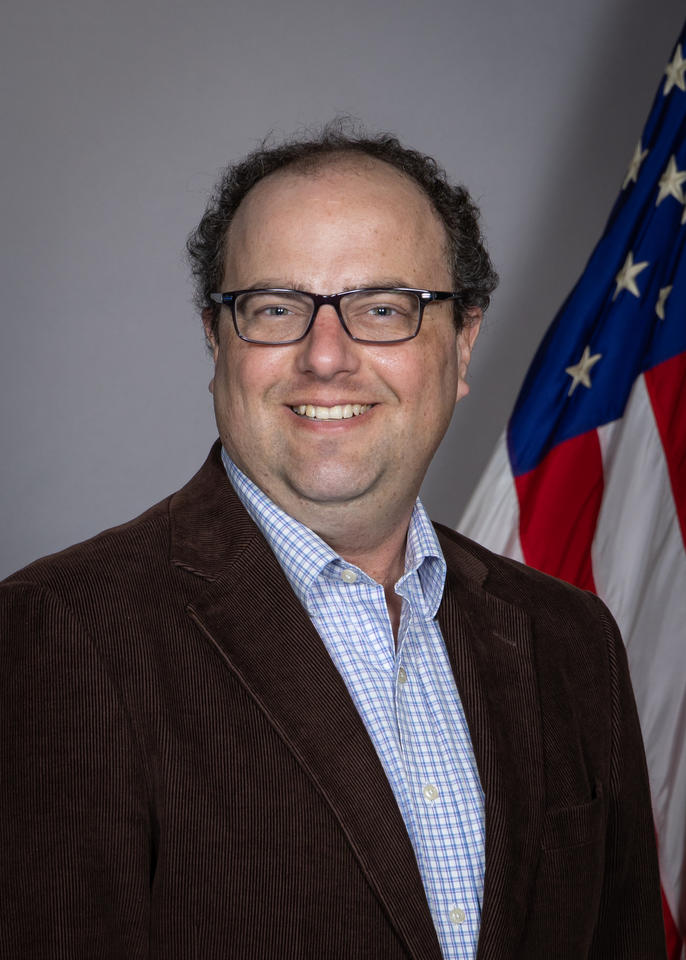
(209, 529)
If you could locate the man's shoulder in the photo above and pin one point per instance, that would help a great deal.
(574, 640)
(145, 551)
(124, 594)
(489, 566)
(511, 580)
(102, 556)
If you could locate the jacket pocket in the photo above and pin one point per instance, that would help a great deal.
(573, 826)
(564, 900)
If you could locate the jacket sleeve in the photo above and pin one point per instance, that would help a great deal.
(629, 921)
(75, 835)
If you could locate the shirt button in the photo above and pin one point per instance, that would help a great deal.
(402, 675)
(457, 916)
(349, 576)
(430, 792)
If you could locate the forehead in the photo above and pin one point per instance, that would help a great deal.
(343, 211)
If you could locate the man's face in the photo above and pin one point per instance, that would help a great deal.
(343, 227)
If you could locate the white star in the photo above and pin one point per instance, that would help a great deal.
(626, 278)
(683, 216)
(635, 165)
(675, 72)
(579, 371)
(670, 182)
(661, 300)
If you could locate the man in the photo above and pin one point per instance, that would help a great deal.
(279, 715)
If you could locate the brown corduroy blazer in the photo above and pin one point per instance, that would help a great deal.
(184, 774)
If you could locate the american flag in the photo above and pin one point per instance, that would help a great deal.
(588, 481)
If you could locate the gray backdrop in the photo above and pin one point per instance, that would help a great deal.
(118, 115)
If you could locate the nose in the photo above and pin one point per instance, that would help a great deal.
(327, 350)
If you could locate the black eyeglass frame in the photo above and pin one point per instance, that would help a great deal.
(424, 298)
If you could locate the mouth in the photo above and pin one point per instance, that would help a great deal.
(341, 411)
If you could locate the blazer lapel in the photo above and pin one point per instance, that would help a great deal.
(249, 612)
(490, 646)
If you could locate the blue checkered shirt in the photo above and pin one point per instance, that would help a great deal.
(405, 695)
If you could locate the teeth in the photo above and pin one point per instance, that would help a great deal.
(342, 411)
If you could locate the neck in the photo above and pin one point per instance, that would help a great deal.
(376, 547)
(374, 540)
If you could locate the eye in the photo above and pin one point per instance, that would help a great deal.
(382, 310)
(264, 305)
(382, 305)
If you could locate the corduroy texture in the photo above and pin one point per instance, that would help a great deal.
(185, 776)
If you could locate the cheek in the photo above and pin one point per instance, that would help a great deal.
(435, 370)
(250, 394)
(440, 383)
(238, 373)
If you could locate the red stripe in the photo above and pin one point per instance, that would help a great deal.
(674, 941)
(559, 502)
(666, 385)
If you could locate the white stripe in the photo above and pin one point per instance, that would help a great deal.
(639, 566)
(492, 514)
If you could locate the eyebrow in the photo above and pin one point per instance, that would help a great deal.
(377, 283)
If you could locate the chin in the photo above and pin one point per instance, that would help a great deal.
(321, 488)
(325, 495)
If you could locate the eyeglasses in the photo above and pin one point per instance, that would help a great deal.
(373, 315)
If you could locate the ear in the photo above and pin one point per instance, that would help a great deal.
(466, 339)
(211, 340)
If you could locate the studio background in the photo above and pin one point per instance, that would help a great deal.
(117, 118)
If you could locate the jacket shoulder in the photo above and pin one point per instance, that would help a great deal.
(128, 544)
(513, 581)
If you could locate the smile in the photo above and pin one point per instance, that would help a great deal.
(342, 411)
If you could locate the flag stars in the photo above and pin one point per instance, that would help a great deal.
(635, 165)
(626, 278)
(670, 183)
(675, 72)
(661, 301)
(579, 372)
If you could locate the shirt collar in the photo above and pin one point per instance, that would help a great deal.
(305, 557)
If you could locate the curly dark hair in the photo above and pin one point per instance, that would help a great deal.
(470, 264)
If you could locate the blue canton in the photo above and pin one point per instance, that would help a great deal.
(626, 313)
(406, 697)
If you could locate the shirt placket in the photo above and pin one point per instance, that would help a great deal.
(432, 809)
